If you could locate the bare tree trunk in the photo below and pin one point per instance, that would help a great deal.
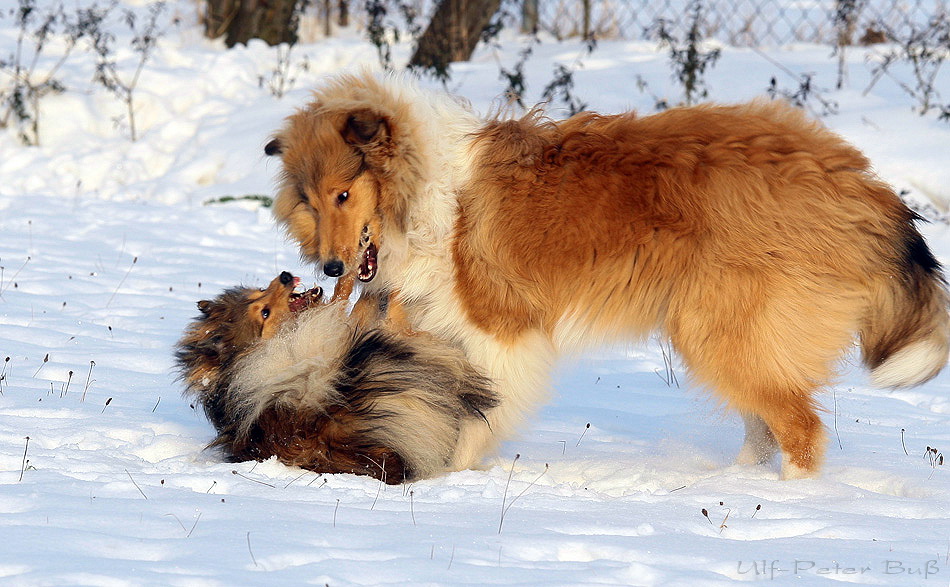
(327, 11)
(529, 16)
(343, 14)
(453, 33)
(586, 25)
(273, 21)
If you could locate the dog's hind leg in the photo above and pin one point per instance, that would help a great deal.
(778, 411)
(797, 428)
(760, 444)
(766, 351)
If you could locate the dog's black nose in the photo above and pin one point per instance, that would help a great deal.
(333, 268)
(286, 278)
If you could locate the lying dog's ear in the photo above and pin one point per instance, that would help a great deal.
(274, 147)
(364, 127)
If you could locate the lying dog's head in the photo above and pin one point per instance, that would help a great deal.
(230, 323)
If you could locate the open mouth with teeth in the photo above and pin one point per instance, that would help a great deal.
(300, 301)
(368, 264)
(368, 261)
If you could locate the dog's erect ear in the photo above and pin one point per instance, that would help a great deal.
(204, 306)
(365, 127)
(274, 147)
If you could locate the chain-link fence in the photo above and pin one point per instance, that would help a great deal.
(735, 22)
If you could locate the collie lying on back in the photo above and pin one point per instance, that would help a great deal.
(280, 375)
(759, 242)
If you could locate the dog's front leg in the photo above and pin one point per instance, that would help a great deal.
(344, 287)
(368, 311)
(397, 318)
(382, 309)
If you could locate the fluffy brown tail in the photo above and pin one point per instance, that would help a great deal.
(906, 338)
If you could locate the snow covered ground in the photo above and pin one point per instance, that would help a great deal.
(106, 244)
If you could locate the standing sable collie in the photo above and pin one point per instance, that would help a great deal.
(280, 375)
(759, 242)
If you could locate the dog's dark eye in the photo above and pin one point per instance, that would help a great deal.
(344, 196)
(265, 313)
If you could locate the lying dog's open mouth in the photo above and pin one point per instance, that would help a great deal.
(302, 300)
(368, 264)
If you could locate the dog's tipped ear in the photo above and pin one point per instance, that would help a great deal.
(364, 127)
(204, 306)
(274, 147)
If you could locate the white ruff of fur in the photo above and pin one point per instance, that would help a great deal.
(912, 365)
(297, 366)
(419, 258)
(419, 265)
